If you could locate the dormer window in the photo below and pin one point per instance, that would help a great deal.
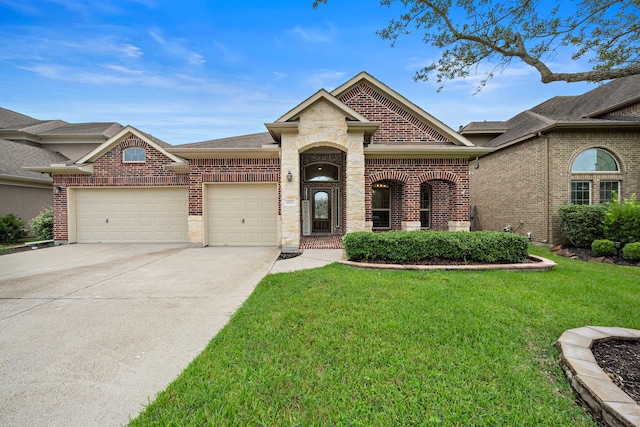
(134, 155)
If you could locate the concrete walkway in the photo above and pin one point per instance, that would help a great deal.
(89, 334)
(310, 258)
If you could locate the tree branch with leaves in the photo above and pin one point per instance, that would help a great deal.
(471, 33)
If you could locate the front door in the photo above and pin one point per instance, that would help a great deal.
(321, 211)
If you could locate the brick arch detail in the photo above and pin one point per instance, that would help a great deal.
(388, 176)
(439, 175)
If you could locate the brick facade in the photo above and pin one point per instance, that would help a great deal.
(524, 184)
(448, 179)
(111, 171)
(228, 170)
(398, 126)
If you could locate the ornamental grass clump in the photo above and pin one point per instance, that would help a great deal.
(403, 247)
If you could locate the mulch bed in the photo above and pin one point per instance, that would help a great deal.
(586, 254)
(620, 360)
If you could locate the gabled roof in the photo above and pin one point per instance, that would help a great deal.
(122, 134)
(412, 108)
(588, 110)
(15, 154)
(322, 94)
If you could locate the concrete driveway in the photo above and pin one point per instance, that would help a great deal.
(89, 334)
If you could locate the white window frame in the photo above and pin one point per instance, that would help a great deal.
(374, 209)
(138, 151)
(571, 192)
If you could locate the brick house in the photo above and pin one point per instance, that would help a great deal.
(27, 141)
(569, 149)
(361, 157)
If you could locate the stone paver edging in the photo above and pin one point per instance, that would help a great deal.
(607, 401)
(541, 264)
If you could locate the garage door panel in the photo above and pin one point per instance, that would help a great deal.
(132, 215)
(242, 214)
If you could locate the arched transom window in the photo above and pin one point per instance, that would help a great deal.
(134, 155)
(594, 160)
(588, 184)
(325, 172)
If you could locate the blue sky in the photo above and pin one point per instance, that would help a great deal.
(188, 71)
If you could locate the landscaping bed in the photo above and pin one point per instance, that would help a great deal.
(620, 360)
(586, 254)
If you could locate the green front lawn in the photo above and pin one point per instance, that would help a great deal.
(344, 346)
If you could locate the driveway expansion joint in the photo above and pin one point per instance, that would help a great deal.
(607, 402)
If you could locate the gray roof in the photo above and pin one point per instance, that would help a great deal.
(14, 155)
(255, 140)
(589, 109)
(15, 121)
(12, 121)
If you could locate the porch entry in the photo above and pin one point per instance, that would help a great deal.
(321, 191)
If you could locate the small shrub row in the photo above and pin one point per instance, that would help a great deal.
(615, 221)
(604, 247)
(414, 246)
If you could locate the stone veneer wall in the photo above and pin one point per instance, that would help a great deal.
(110, 171)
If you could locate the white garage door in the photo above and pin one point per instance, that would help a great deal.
(242, 214)
(132, 215)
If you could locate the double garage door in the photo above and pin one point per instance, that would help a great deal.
(132, 215)
(235, 214)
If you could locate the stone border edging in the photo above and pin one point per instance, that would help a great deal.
(542, 264)
(606, 400)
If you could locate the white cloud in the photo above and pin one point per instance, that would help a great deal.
(322, 79)
(312, 35)
(176, 48)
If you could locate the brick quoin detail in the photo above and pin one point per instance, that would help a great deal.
(448, 179)
(398, 126)
(229, 170)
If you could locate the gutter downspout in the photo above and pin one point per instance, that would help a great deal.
(546, 201)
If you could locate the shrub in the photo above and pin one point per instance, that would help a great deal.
(603, 247)
(42, 225)
(406, 247)
(622, 221)
(11, 229)
(631, 251)
(582, 224)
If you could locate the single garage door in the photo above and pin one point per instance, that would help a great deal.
(132, 215)
(242, 214)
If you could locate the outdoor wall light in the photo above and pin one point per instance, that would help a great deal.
(57, 190)
(289, 176)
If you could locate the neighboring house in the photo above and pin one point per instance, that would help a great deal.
(569, 149)
(27, 141)
(361, 157)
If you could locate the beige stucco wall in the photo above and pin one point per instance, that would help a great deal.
(322, 124)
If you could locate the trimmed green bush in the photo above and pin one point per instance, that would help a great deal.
(582, 224)
(631, 251)
(11, 229)
(622, 221)
(42, 225)
(414, 246)
(603, 247)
